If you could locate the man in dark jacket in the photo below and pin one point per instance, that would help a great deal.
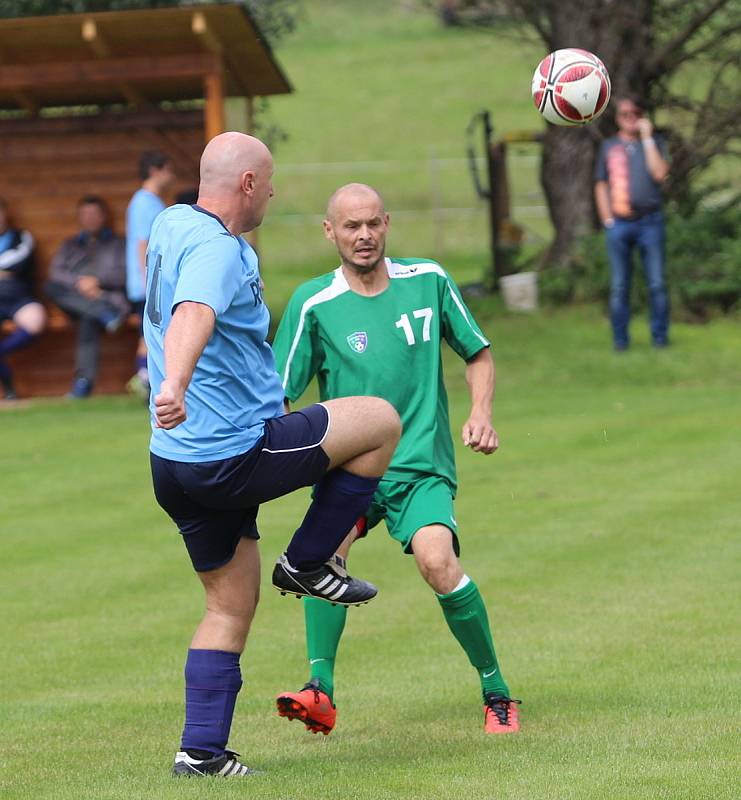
(87, 280)
(17, 302)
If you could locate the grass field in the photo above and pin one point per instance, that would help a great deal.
(604, 535)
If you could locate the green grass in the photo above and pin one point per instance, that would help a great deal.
(373, 82)
(604, 535)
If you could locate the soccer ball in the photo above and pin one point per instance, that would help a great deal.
(571, 87)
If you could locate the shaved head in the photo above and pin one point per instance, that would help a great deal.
(236, 172)
(357, 223)
(228, 155)
(352, 194)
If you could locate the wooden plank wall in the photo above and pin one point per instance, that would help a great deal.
(46, 165)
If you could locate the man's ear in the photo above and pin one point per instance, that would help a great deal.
(328, 230)
(248, 182)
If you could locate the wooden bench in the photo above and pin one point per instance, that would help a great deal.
(46, 367)
(47, 165)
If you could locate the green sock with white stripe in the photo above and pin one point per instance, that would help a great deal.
(468, 621)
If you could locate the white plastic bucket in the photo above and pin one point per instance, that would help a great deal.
(520, 291)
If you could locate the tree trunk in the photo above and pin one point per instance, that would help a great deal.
(566, 174)
(642, 43)
(617, 33)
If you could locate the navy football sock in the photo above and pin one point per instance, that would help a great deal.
(212, 681)
(339, 499)
(19, 338)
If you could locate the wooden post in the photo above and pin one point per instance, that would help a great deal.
(498, 205)
(213, 85)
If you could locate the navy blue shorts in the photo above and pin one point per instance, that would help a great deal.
(13, 296)
(215, 503)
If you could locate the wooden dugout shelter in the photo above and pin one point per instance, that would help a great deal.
(81, 97)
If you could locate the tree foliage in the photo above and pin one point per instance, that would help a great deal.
(276, 18)
(703, 266)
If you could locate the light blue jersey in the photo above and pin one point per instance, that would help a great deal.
(141, 213)
(193, 257)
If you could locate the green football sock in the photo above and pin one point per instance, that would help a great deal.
(324, 626)
(468, 621)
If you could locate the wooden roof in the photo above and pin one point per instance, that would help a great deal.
(139, 56)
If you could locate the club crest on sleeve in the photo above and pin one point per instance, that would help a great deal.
(358, 341)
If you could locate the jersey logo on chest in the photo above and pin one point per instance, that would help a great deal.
(358, 341)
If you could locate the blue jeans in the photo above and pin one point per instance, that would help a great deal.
(648, 235)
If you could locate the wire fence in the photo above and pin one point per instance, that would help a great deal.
(435, 210)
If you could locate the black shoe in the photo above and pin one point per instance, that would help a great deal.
(81, 388)
(325, 583)
(223, 766)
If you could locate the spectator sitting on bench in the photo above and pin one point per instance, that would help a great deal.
(87, 280)
(16, 299)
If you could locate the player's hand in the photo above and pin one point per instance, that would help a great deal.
(169, 405)
(645, 128)
(479, 434)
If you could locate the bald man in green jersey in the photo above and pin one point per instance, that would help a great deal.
(375, 326)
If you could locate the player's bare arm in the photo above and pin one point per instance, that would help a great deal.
(657, 166)
(602, 198)
(191, 328)
(478, 432)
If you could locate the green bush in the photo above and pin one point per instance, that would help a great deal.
(703, 267)
(704, 261)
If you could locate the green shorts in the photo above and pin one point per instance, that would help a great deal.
(407, 507)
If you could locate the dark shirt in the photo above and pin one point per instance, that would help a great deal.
(102, 256)
(16, 261)
(622, 164)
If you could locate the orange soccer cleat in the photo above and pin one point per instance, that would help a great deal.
(311, 705)
(501, 714)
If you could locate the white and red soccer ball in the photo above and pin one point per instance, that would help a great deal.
(571, 87)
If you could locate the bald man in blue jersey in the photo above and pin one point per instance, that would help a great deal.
(221, 444)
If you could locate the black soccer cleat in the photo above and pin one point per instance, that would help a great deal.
(226, 765)
(327, 582)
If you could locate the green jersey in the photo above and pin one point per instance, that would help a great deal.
(388, 345)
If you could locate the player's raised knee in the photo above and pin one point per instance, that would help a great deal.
(385, 417)
(372, 419)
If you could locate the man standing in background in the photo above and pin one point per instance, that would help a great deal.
(628, 174)
(157, 173)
